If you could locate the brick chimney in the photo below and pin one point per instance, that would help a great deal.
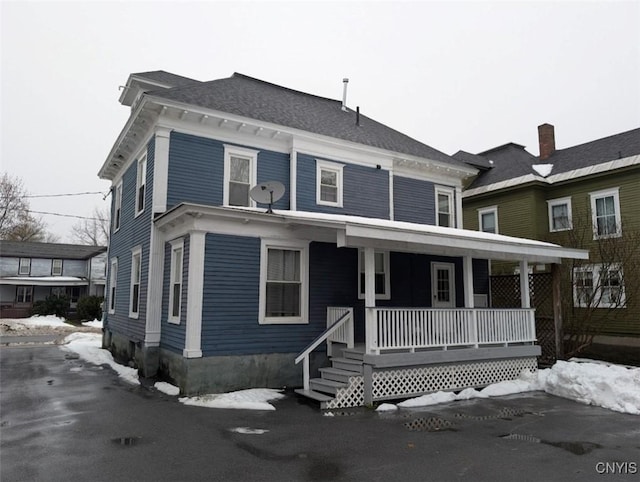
(547, 140)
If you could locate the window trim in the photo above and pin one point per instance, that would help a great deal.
(24, 263)
(615, 192)
(551, 203)
(177, 244)
(488, 210)
(387, 275)
(596, 271)
(117, 207)
(322, 165)
(293, 245)
(113, 284)
(135, 253)
(55, 272)
(450, 193)
(141, 183)
(243, 152)
(27, 289)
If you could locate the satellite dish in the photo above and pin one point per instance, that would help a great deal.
(267, 193)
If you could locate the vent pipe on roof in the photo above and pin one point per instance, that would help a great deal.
(344, 94)
(358, 115)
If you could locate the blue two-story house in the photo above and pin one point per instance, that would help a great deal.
(363, 254)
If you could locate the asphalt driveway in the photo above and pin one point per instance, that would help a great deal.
(64, 419)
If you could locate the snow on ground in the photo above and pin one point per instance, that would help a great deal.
(167, 388)
(93, 324)
(252, 399)
(36, 321)
(610, 386)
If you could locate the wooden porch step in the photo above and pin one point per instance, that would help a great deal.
(325, 386)
(312, 394)
(336, 374)
(348, 364)
(353, 353)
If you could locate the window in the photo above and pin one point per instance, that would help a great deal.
(24, 294)
(25, 266)
(117, 208)
(382, 279)
(240, 168)
(175, 282)
(488, 219)
(329, 183)
(136, 270)
(113, 279)
(444, 205)
(56, 267)
(605, 213)
(141, 183)
(598, 285)
(560, 214)
(283, 283)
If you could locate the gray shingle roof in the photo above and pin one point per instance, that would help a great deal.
(512, 160)
(49, 250)
(256, 99)
(473, 160)
(164, 77)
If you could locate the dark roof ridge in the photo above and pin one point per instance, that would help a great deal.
(271, 84)
(497, 148)
(596, 141)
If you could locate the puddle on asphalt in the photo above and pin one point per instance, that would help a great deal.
(576, 448)
(126, 441)
(431, 424)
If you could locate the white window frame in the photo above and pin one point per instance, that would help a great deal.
(488, 210)
(303, 248)
(598, 287)
(113, 284)
(141, 183)
(56, 267)
(551, 203)
(136, 278)
(25, 290)
(242, 152)
(450, 193)
(24, 267)
(176, 278)
(117, 207)
(338, 169)
(387, 275)
(615, 193)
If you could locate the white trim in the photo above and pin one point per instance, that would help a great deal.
(24, 263)
(551, 203)
(135, 253)
(160, 170)
(392, 206)
(338, 169)
(293, 179)
(244, 153)
(57, 272)
(615, 193)
(459, 211)
(450, 193)
(488, 210)
(386, 266)
(141, 182)
(303, 248)
(176, 245)
(195, 287)
(117, 207)
(451, 268)
(113, 284)
(155, 286)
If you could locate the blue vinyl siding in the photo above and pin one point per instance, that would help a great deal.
(413, 200)
(196, 170)
(481, 276)
(134, 231)
(173, 335)
(365, 192)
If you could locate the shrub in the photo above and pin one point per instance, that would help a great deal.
(90, 307)
(52, 305)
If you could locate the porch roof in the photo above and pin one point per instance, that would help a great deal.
(361, 232)
(44, 281)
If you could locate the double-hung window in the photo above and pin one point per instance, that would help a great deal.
(329, 183)
(24, 294)
(113, 281)
(382, 278)
(560, 214)
(175, 281)
(240, 172)
(283, 282)
(136, 271)
(56, 267)
(599, 286)
(605, 213)
(25, 266)
(117, 207)
(141, 183)
(445, 207)
(488, 219)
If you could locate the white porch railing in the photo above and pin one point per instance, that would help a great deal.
(417, 328)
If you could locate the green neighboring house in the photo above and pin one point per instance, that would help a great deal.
(585, 196)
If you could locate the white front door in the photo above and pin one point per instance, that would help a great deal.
(443, 286)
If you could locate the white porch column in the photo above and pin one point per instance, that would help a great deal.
(525, 297)
(154, 288)
(195, 285)
(467, 274)
(370, 299)
(458, 207)
(161, 170)
(293, 181)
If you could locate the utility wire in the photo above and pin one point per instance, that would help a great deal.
(67, 215)
(63, 195)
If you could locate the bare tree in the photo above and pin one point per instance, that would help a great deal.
(16, 222)
(93, 231)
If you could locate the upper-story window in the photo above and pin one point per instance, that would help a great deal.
(117, 207)
(329, 183)
(25, 266)
(141, 183)
(605, 213)
(381, 273)
(488, 219)
(240, 173)
(136, 271)
(445, 207)
(56, 267)
(175, 282)
(560, 214)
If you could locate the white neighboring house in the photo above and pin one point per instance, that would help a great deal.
(30, 272)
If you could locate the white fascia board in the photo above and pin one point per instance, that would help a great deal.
(516, 181)
(44, 281)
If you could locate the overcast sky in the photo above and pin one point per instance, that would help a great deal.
(454, 75)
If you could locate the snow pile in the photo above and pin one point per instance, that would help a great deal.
(167, 388)
(88, 347)
(93, 324)
(386, 407)
(252, 399)
(543, 169)
(36, 321)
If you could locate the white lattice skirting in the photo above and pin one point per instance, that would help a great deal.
(403, 382)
